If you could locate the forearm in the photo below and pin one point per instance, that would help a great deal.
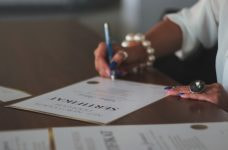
(165, 37)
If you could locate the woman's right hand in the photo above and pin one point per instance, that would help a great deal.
(136, 54)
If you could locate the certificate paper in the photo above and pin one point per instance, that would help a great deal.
(96, 100)
(205, 136)
(211, 136)
(8, 94)
(25, 140)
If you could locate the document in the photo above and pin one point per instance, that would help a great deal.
(25, 140)
(206, 136)
(202, 136)
(8, 94)
(96, 100)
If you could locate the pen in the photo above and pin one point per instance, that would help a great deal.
(112, 64)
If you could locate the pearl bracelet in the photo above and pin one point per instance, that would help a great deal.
(131, 37)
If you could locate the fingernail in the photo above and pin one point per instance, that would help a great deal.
(168, 88)
(113, 65)
(180, 94)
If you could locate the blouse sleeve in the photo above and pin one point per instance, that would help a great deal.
(198, 25)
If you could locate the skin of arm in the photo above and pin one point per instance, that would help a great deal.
(166, 37)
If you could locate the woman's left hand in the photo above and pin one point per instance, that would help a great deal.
(213, 93)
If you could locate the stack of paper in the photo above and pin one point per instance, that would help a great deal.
(206, 136)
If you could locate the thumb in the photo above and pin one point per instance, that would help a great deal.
(120, 56)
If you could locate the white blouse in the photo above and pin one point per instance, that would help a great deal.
(206, 23)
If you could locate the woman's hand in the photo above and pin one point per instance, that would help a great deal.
(136, 54)
(213, 93)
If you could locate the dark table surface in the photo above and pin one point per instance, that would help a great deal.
(39, 56)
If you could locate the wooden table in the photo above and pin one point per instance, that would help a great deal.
(39, 56)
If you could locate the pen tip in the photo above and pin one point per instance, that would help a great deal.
(112, 77)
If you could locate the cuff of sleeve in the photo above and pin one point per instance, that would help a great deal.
(189, 41)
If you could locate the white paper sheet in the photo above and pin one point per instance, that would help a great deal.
(8, 94)
(95, 100)
(202, 136)
(210, 136)
(24, 140)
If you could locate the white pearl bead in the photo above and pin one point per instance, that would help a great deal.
(150, 50)
(146, 43)
(129, 37)
(139, 37)
(125, 44)
(151, 58)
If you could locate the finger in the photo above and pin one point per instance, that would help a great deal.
(102, 67)
(193, 96)
(103, 73)
(199, 97)
(100, 62)
(100, 51)
(126, 56)
(208, 94)
(178, 90)
(136, 54)
(119, 57)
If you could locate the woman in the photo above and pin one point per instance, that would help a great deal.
(206, 23)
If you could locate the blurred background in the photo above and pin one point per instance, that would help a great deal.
(124, 15)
